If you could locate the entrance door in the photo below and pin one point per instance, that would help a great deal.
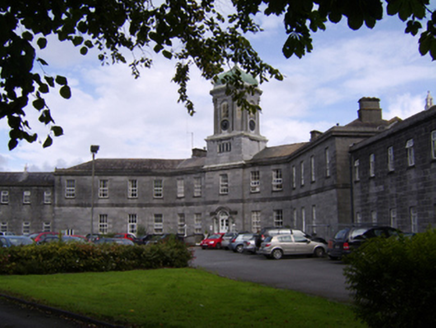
(223, 222)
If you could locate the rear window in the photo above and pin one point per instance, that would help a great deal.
(358, 232)
(268, 239)
(341, 234)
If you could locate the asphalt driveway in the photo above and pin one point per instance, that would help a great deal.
(314, 276)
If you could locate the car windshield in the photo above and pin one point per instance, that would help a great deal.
(214, 237)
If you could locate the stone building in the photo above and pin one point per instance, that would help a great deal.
(236, 183)
(394, 175)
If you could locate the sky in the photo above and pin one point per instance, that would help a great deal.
(140, 118)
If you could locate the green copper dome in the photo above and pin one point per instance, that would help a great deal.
(247, 78)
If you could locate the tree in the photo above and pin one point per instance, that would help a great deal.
(188, 31)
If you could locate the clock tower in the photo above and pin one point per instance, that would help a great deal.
(236, 135)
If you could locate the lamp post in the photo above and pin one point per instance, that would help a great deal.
(94, 150)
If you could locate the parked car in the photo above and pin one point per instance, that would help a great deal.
(213, 241)
(290, 244)
(142, 240)
(250, 245)
(160, 238)
(11, 240)
(273, 231)
(119, 241)
(237, 244)
(40, 236)
(64, 238)
(347, 239)
(7, 233)
(227, 239)
(130, 236)
(93, 237)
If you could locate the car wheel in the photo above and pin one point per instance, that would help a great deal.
(239, 248)
(218, 246)
(277, 254)
(319, 252)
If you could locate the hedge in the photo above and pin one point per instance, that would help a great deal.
(60, 257)
(394, 281)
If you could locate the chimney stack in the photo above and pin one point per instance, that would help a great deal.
(369, 110)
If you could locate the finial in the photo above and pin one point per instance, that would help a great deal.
(428, 101)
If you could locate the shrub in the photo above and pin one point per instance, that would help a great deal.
(394, 281)
(60, 257)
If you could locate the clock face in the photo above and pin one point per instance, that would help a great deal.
(224, 125)
(252, 125)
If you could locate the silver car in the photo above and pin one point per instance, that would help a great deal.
(227, 239)
(290, 244)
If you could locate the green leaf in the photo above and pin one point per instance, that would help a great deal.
(50, 81)
(89, 44)
(158, 47)
(43, 88)
(167, 54)
(12, 144)
(48, 142)
(42, 43)
(83, 51)
(45, 117)
(355, 23)
(27, 36)
(65, 92)
(61, 80)
(39, 103)
(57, 130)
(42, 61)
(77, 40)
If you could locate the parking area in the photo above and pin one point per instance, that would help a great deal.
(314, 276)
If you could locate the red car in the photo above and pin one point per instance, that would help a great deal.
(40, 236)
(213, 241)
(125, 235)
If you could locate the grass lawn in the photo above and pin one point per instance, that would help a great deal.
(177, 298)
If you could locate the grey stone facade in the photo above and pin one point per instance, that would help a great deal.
(239, 183)
(399, 189)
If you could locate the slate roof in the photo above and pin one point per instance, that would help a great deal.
(129, 165)
(277, 152)
(135, 165)
(27, 179)
(126, 164)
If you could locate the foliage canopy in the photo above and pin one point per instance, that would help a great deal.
(191, 32)
(393, 280)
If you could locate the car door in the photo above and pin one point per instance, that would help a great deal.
(286, 244)
(302, 245)
(3, 242)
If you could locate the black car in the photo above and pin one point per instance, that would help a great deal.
(154, 239)
(350, 238)
(142, 240)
